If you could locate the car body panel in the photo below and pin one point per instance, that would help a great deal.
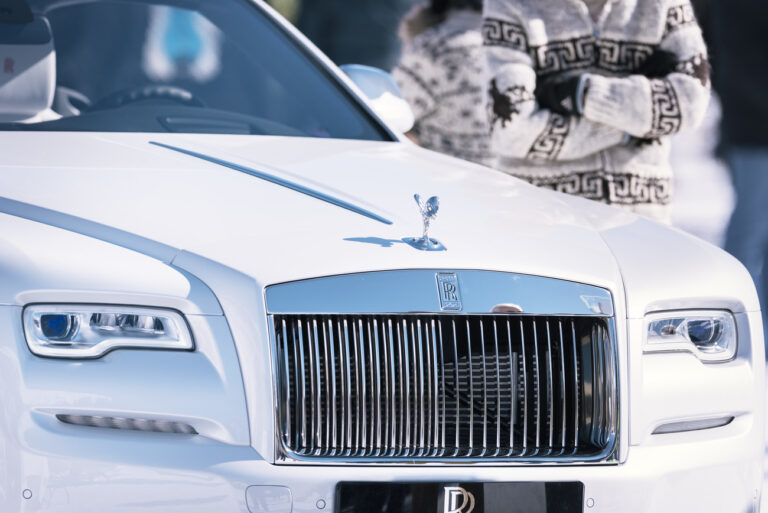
(114, 218)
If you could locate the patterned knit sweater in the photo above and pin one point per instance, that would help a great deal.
(441, 76)
(618, 151)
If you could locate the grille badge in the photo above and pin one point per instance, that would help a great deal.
(449, 292)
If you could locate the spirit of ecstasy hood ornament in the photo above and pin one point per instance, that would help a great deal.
(428, 211)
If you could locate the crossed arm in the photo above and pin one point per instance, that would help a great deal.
(604, 110)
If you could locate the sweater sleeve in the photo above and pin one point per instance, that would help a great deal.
(656, 107)
(519, 128)
(418, 79)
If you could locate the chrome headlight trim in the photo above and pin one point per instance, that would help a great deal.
(85, 338)
(714, 341)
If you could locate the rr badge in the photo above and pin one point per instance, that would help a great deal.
(448, 289)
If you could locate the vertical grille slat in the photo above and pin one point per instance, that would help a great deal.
(435, 393)
(287, 385)
(424, 386)
(550, 392)
(406, 422)
(537, 387)
(526, 394)
(563, 400)
(471, 409)
(576, 389)
(389, 408)
(497, 357)
(302, 398)
(443, 391)
(373, 342)
(347, 396)
(483, 366)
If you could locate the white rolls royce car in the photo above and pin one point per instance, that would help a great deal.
(217, 294)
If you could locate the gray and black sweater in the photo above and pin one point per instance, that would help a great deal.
(441, 76)
(618, 151)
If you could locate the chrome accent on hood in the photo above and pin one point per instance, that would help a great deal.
(278, 181)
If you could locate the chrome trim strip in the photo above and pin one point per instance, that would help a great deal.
(576, 387)
(376, 421)
(420, 372)
(525, 391)
(498, 387)
(282, 182)
(513, 392)
(287, 405)
(407, 388)
(330, 427)
(316, 387)
(414, 291)
(563, 398)
(363, 441)
(347, 390)
(471, 392)
(441, 452)
(485, 389)
(436, 393)
(537, 385)
(550, 393)
(456, 371)
(391, 386)
(303, 385)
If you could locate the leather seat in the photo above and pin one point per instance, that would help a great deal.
(27, 71)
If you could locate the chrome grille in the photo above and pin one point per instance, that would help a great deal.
(445, 386)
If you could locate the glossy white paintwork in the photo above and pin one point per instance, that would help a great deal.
(111, 218)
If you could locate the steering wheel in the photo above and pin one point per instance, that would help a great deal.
(148, 92)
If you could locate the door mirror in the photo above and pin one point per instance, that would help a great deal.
(383, 95)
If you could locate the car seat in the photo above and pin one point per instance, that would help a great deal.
(27, 71)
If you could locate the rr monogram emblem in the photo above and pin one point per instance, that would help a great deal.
(457, 500)
(448, 289)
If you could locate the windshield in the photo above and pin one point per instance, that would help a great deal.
(189, 66)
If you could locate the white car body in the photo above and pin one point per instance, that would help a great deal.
(111, 218)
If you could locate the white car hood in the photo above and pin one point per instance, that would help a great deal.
(487, 220)
(124, 189)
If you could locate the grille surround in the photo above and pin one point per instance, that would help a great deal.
(427, 418)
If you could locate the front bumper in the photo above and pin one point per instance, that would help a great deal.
(71, 469)
(48, 466)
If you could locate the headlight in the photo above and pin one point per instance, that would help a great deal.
(90, 331)
(709, 334)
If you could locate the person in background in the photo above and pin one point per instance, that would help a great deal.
(740, 51)
(441, 76)
(354, 31)
(584, 94)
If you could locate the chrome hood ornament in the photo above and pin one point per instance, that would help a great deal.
(428, 211)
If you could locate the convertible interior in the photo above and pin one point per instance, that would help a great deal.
(186, 66)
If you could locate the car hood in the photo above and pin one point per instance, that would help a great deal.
(487, 220)
(130, 190)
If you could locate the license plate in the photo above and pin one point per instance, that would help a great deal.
(566, 497)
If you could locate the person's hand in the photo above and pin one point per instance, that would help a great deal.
(563, 94)
(659, 64)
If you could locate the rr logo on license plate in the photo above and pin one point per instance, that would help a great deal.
(457, 500)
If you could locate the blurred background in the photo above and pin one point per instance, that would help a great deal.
(365, 32)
